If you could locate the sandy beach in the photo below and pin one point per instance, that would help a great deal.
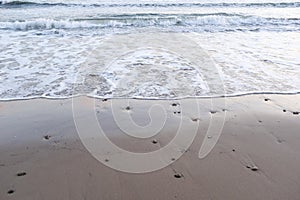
(149, 100)
(256, 156)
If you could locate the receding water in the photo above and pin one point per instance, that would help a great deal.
(49, 48)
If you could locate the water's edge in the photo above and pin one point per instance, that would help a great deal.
(153, 98)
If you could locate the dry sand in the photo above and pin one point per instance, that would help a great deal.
(256, 157)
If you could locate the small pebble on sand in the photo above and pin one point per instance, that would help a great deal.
(128, 108)
(254, 168)
(178, 175)
(47, 137)
(21, 174)
(154, 141)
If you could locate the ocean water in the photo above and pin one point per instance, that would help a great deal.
(148, 49)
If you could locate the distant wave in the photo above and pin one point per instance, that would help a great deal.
(43, 24)
(212, 21)
(8, 4)
(29, 3)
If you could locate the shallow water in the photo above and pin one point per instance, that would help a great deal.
(58, 49)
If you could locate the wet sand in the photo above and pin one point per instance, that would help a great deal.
(256, 156)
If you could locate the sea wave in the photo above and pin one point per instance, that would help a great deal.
(6, 3)
(205, 21)
(43, 24)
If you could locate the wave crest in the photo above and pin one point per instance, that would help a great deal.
(206, 22)
(8, 3)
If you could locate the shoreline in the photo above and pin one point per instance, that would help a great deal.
(256, 156)
(152, 98)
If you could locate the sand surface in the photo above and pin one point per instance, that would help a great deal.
(256, 157)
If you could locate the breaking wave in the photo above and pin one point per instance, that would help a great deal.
(213, 21)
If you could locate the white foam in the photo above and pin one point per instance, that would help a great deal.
(38, 66)
(43, 24)
(153, 73)
(211, 22)
(255, 62)
(48, 66)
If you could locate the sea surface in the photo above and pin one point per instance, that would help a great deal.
(148, 49)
